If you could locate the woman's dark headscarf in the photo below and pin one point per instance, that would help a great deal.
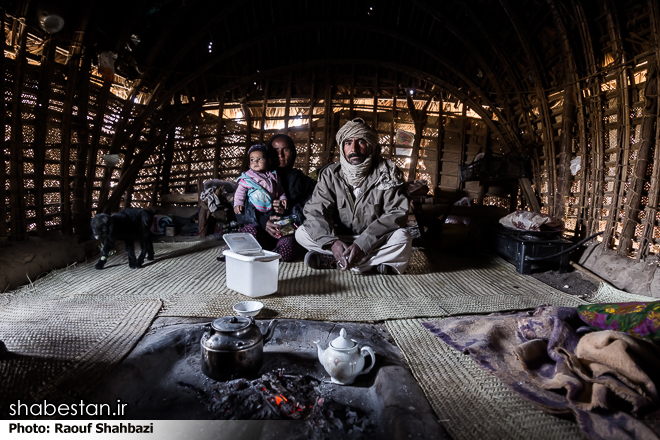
(289, 143)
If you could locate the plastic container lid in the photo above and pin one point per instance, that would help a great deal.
(243, 243)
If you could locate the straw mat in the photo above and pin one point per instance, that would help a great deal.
(470, 402)
(609, 294)
(59, 350)
(191, 282)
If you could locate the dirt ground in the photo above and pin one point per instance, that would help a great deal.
(572, 282)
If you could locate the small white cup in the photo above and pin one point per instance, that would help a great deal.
(248, 308)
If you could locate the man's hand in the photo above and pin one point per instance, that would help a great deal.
(279, 207)
(272, 229)
(338, 248)
(354, 254)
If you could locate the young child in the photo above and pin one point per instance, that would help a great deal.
(259, 183)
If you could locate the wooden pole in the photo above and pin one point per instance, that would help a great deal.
(219, 139)
(3, 142)
(564, 177)
(634, 201)
(101, 108)
(327, 123)
(16, 185)
(623, 144)
(419, 119)
(287, 106)
(440, 145)
(263, 112)
(73, 77)
(41, 129)
(651, 209)
(168, 154)
(310, 123)
(79, 207)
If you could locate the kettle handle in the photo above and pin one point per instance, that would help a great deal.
(208, 327)
(369, 352)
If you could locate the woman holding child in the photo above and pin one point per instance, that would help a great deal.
(272, 178)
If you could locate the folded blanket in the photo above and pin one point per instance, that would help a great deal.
(604, 379)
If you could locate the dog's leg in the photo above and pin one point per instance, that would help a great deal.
(130, 250)
(150, 246)
(105, 250)
(143, 250)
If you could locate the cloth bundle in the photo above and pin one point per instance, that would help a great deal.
(606, 379)
(531, 221)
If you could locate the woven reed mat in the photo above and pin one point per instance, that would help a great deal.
(191, 282)
(470, 402)
(59, 350)
(609, 294)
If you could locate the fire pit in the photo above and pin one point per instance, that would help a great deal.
(162, 379)
(280, 396)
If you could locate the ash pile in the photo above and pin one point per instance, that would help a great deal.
(278, 396)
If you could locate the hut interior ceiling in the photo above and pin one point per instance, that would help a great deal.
(178, 90)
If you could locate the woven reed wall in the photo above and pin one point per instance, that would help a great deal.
(59, 118)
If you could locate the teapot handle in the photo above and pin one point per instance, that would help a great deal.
(364, 351)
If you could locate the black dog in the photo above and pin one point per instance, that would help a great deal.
(128, 225)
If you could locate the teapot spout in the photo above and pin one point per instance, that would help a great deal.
(270, 330)
(320, 349)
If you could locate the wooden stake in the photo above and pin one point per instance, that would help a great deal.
(16, 185)
(634, 201)
(310, 126)
(219, 139)
(79, 208)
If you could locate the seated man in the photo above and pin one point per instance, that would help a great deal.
(357, 215)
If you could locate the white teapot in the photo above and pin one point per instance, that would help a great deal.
(343, 360)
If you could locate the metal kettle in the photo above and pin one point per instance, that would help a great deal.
(233, 347)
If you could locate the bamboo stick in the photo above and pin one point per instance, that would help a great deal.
(73, 76)
(623, 131)
(219, 136)
(41, 129)
(310, 125)
(78, 205)
(634, 201)
(440, 142)
(101, 109)
(651, 209)
(264, 106)
(16, 186)
(3, 143)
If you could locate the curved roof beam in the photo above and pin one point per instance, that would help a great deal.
(237, 49)
(548, 140)
(513, 73)
(461, 36)
(137, 163)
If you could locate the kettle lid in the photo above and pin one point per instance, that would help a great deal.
(231, 323)
(342, 342)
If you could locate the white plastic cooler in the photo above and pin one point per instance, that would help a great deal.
(249, 269)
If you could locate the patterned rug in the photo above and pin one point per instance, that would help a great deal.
(191, 282)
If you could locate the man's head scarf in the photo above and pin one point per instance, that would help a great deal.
(357, 128)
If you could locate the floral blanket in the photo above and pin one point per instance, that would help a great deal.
(605, 379)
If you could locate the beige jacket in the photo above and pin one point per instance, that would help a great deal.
(380, 209)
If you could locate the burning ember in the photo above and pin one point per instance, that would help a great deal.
(277, 396)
